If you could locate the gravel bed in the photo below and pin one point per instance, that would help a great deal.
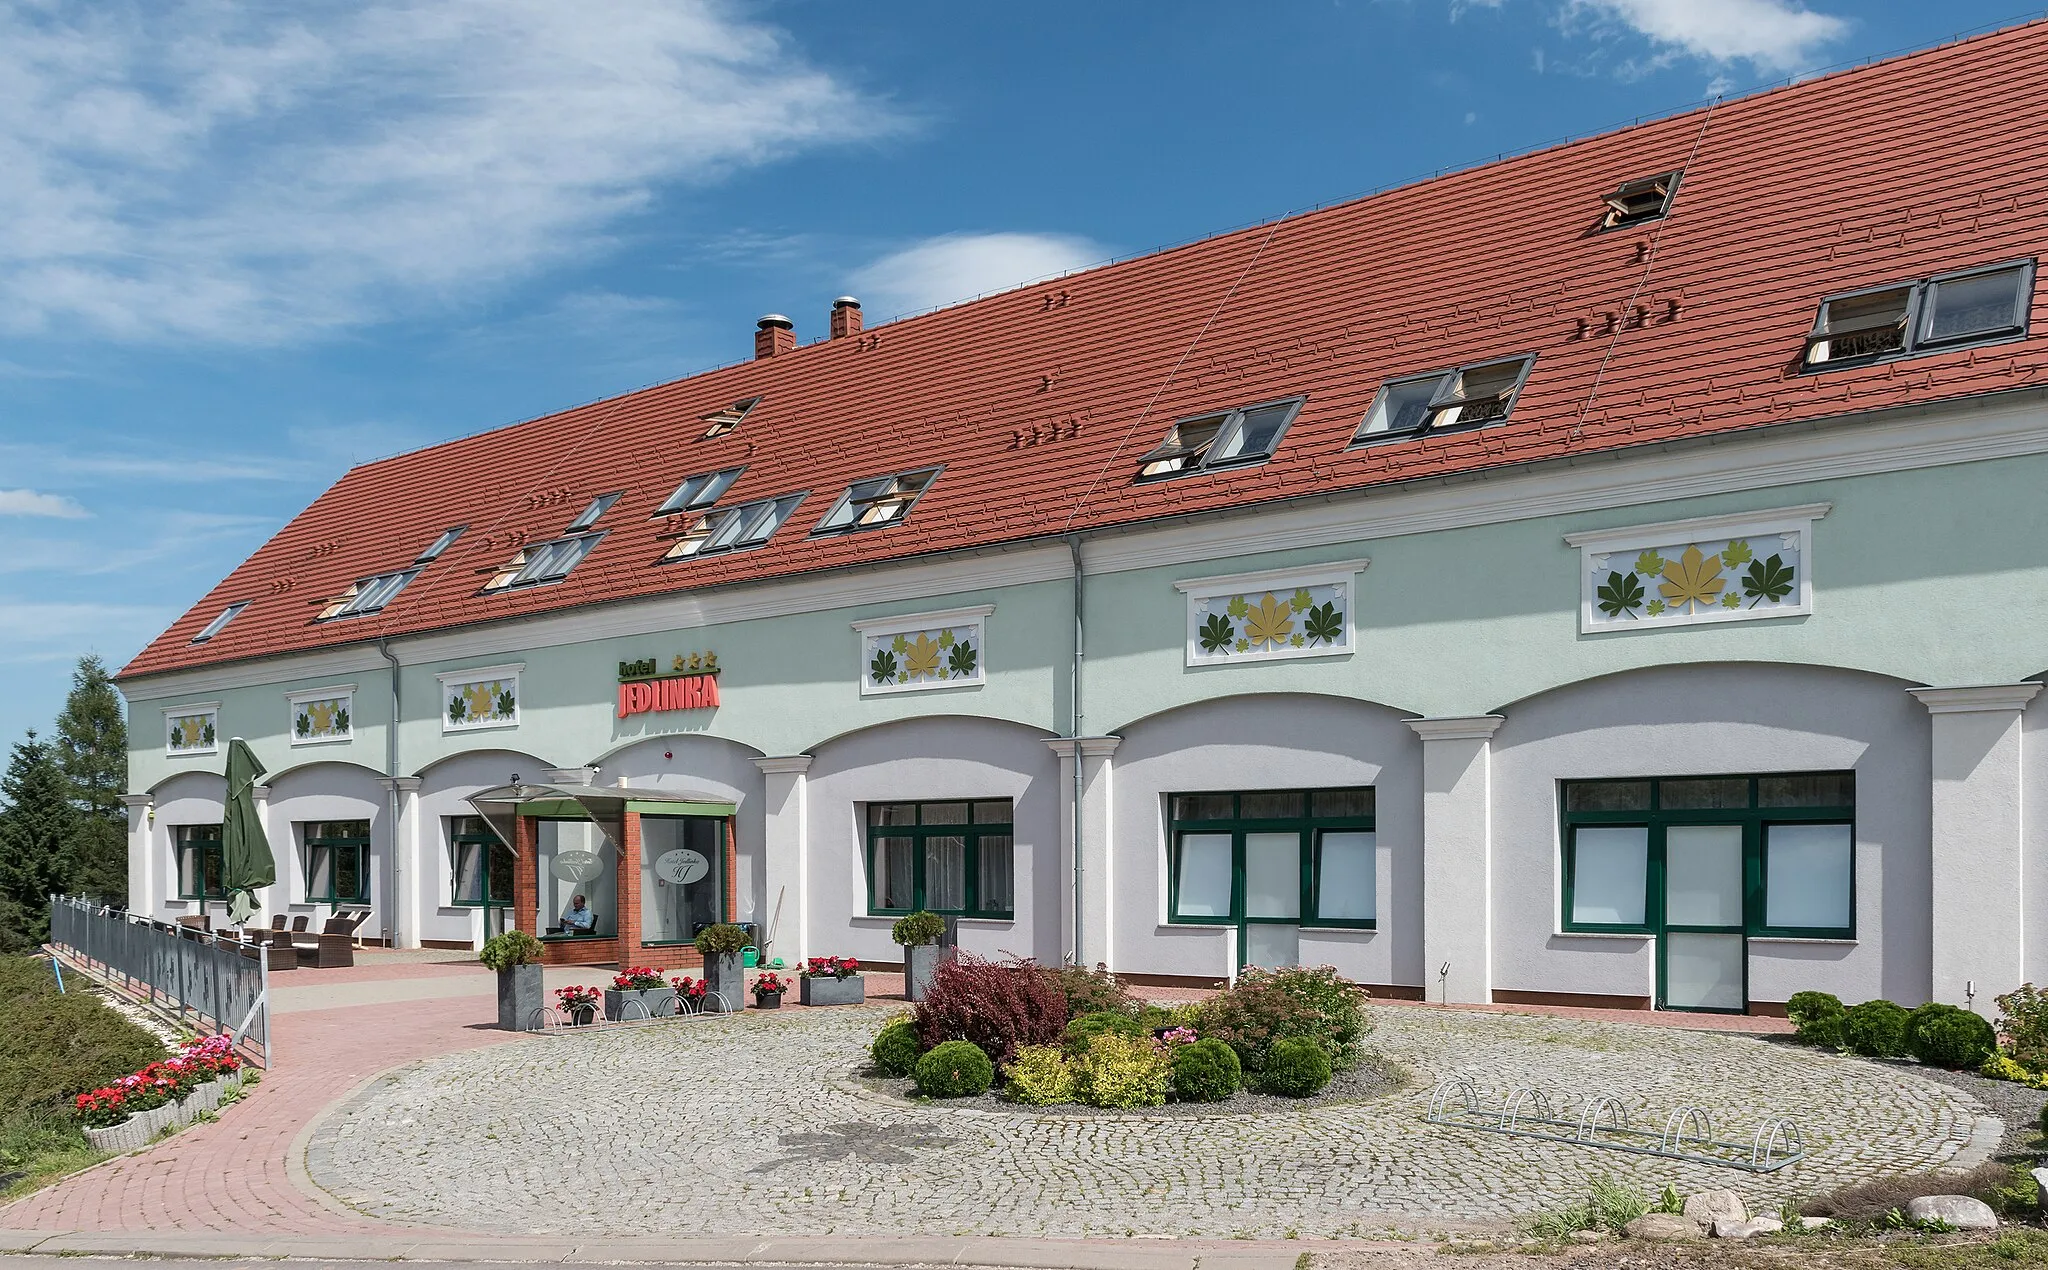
(1372, 1077)
(2018, 1105)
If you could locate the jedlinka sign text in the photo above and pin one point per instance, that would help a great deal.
(691, 685)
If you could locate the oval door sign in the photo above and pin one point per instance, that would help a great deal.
(681, 866)
(577, 866)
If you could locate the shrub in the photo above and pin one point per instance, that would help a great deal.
(1999, 1067)
(2023, 1022)
(1124, 1071)
(1091, 991)
(1816, 1018)
(1041, 1076)
(1206, 1071)
(513, 948)
(721, 940)
(1082, 1031)
(956, 1069)
(1001, 1006)
(1300, 1003)
(918, 928)
(2041, 1121)
(1875, 1029)
(1942, 1035)
(54, 1045)
(896, 1050)
(1295, 1069)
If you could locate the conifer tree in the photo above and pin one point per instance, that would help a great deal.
(38, 831)
(92, 749)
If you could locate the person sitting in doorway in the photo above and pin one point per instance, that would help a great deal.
(577, 919)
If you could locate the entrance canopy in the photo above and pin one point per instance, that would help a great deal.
(606, 805)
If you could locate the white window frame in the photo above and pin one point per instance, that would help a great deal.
(220, 621)
(208, 709)
(1775, 522)
(346, 693)
(1342, 573)
(478, 674)
(866, 629)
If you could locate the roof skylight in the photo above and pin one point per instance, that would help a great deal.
(1245, 435)
(214, 627)
(588, 516)
(544, 562)
(368, 596)
(1642, 200)
(874, 503)
(441, 544)
(724, 421)
(1465, 397)
(734, 528)
(1948, 311)
(698, 492)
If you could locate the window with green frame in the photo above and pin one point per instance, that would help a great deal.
(197, 848)
(1798, 850)
(955, 858)
(1303, 857)
(337, 861)
(481, 864)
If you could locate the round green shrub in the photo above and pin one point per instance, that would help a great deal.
(1295, 1069)
(513, 948)
(1123, 1071)
(1943, 1035)
(896, 1050)
(918, 929)
(1206, 1071)
(2041, 1121)
(721, 940)
(1040, 1076)
(1816, 1018)
(956, 1069)
(1875, 1029)
(1081, 1033)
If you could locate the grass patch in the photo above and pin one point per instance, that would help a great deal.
(2008, 1189)
(1609, 1205)
(54, 1045)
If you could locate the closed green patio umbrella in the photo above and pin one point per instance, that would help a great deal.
(246, 862)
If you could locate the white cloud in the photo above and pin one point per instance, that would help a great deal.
(198, 169)
(27, 502)
(1774, 35)
(959, 266)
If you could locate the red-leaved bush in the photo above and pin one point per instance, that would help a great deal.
(1001, 1006)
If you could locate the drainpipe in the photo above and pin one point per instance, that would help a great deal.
(1074, 548)
(398, 879)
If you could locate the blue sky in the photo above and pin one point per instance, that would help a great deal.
(247, 245)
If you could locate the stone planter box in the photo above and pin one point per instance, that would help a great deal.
(919, 963)
(644, 1002)
(728, 978)
(522, 998)
(139, 1130)
(828, 990)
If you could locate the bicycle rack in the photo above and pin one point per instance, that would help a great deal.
(1603, 1121)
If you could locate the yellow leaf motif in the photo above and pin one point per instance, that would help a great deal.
(1268, 623)
(1693, 579)
(479, 698)
(923, 656)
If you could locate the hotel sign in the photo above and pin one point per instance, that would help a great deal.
(690, 683)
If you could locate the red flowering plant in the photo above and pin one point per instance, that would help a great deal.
(164, 1081)
(577, 997)
(636, 979)
(692, 989)
(770, 984)
(831, 967)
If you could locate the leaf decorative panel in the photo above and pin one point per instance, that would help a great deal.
(481, 699)
(192, 731)
(322, 718)
(1264, 617)
(1718, 569)
(934, 650)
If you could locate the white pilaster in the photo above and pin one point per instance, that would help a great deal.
(785, 857)
(409, 883)
(142, 881)
(270, 899)
(1978, 892)
(1457, 855)
(1098, 861)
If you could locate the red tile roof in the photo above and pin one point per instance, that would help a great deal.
(1039, 401)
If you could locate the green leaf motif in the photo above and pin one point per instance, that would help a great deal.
(302, 725)
(900, 645)
(961, 661)
(1303, 601)
(1649, 564)
(341, 720)
(1768, 580)
(1297, 641)
(458, 708)
(1237, 607)
(945, 639)
(1621, 595)
(1323, 624)
(206, 733)
(1736, 554)
(1731, 601)
(1216, 634)
(1655, 608)
(504, 704)
(883, 668)
(1244, 646)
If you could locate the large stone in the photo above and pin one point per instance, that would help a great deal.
(2041, 1188)
(1815, 1223)
(1663, 1228)
(1959, 1211)
(1724, 1229)
(1708, 1207)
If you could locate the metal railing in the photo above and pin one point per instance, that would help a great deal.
(210, 983)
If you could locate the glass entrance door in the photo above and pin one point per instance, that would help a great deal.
(1702, 953)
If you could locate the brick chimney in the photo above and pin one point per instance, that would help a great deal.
(774, 334)
(845, 317)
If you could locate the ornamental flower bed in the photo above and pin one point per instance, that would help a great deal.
(768, 990)
(689, 994)
(832, 981)
(578, 1002)
(127, 1114)
(637, 984)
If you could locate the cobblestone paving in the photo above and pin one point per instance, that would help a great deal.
(755, 1126)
